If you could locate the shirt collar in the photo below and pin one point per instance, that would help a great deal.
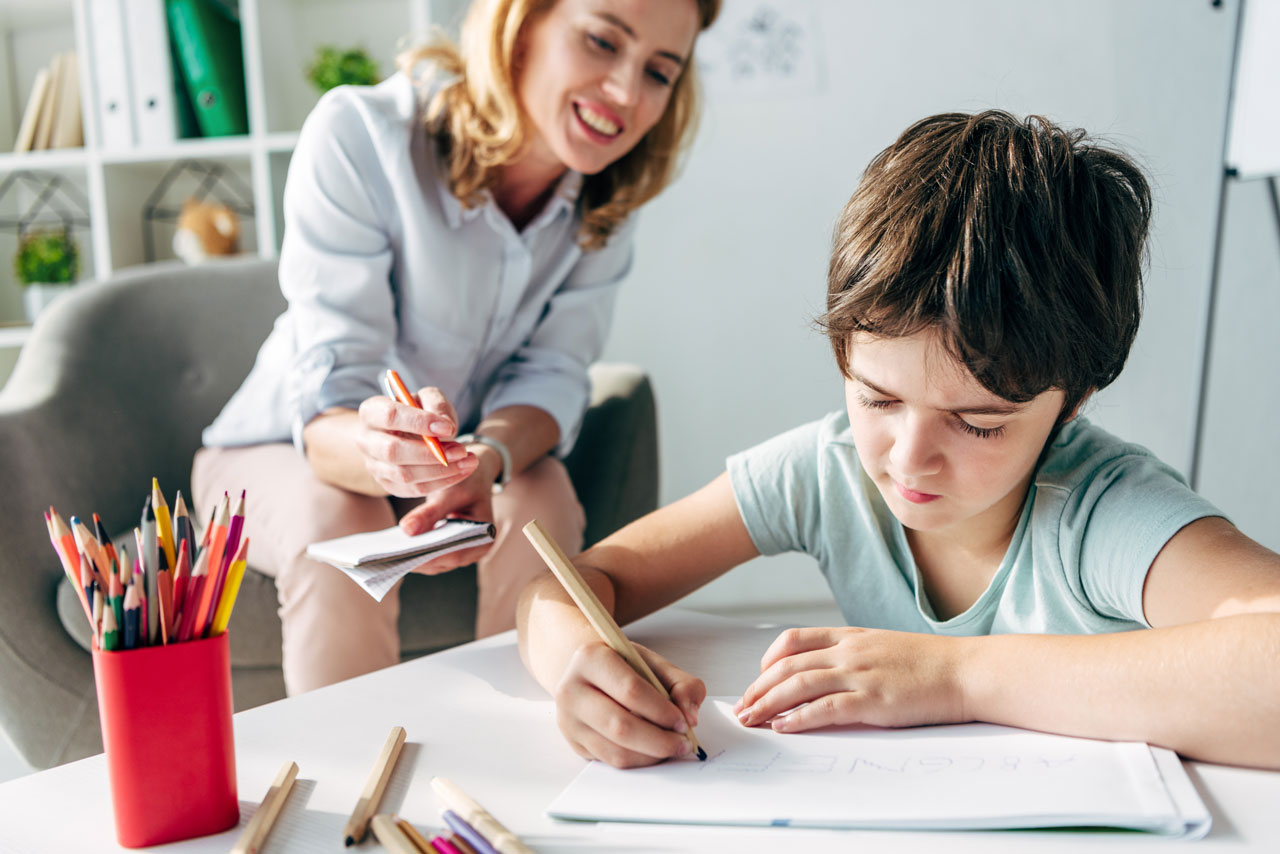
(565, 197)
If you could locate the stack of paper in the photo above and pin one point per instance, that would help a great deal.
(378, 559)
(964, 777)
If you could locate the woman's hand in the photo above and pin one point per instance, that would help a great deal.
(850, 675)
(395, 454)
(470, 498)
(607, 711)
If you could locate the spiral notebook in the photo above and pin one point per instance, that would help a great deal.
(376, 560)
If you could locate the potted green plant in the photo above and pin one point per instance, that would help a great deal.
(47, 264)
(334, 66)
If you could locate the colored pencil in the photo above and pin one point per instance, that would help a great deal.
(445, 846)
(164, 525)
(132, 617)
(183, 531)
(357, 826)
(478, 817)
(401, 393)
(110, 631)
(195, 591)
(476, 839)
(180, 577)
(390, 835)
(419, 841)
(255, 832)
(88, 546)
(227, 601)
(600, 619)
(217, 543)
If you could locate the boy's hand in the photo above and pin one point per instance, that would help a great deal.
(607, 711)
(850, 675)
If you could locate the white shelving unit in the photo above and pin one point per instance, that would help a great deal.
(279, 39)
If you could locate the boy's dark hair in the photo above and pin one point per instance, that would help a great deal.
(1021, 242)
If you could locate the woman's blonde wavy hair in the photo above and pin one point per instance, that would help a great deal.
(479, 125)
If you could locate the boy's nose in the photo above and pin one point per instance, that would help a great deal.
(915, 451)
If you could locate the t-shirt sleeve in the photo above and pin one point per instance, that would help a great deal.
(1117, 524)
(776, 487)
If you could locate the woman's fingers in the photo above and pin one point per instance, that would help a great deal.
(442, 419)
(453, 560)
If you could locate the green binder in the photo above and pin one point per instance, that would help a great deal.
(206, 36)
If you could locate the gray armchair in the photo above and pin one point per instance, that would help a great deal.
(113, 387)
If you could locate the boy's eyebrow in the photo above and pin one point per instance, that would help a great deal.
(989, 409)
(622, 25)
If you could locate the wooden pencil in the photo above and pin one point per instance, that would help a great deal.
(419, 841)
(255, 832)
(358, 825)
(601, 620)
(227, 600)
(164, 525)
(390, 835)
(478, 817)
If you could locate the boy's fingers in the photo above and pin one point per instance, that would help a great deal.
(605, 669)
(590, 716)
(779, 672)
(844, 707)
(793, 641)
(805, 687)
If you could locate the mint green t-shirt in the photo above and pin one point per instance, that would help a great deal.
(1095, 518)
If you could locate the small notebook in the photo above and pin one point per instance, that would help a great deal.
(963, 777)
(376, 560)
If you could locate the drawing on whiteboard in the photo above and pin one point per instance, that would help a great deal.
(761, 48)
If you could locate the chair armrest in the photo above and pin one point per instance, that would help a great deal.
(614, 465)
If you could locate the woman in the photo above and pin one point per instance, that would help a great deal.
(466, 222)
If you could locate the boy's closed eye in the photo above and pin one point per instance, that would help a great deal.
(981, 432)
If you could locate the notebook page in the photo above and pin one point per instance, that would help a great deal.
(969, 776)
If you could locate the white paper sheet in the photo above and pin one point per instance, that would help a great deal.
(971, 776)
(376, 560)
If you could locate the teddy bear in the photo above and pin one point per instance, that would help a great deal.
(206, 229)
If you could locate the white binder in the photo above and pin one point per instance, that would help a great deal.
(150, 71)
(109, 59)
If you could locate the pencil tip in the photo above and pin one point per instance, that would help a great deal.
(702, 755)
(349, 841)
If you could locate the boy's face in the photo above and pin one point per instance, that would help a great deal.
(948, 456)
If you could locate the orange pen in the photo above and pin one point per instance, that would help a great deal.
(401, 393)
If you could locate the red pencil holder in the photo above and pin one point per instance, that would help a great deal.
(166, 728)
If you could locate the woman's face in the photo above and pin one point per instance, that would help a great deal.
(594, 76)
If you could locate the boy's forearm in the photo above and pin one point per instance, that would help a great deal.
(1209, 690)
(551, 628)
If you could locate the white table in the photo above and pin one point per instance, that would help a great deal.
(474, 715)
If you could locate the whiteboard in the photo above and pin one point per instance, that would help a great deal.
(1253, 146)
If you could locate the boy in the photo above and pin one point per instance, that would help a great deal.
(990, 550)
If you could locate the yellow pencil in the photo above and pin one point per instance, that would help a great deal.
(235, 574)
(164, 524)
(601, 620)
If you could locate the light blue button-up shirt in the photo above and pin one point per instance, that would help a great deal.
(382, 266)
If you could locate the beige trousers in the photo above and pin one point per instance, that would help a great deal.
(332, 629)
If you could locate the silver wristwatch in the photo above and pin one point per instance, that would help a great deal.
(504, 476)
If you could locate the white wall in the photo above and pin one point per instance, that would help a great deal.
(731, 260)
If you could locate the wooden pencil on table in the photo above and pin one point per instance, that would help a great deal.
(419, 841)
(358, 825)
(601, 620)
(255, 832)
(478, 817)
(390, 835)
